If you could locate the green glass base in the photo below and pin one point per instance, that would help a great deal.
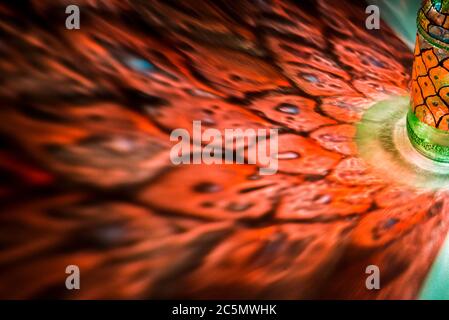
(429, 141)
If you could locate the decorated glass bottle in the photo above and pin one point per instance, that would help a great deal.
(428, 118)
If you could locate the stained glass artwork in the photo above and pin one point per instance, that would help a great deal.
(90, 121)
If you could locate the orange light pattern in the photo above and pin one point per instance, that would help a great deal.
(87, 116)
(430, 84)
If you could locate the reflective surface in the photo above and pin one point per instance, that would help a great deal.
(87, 179)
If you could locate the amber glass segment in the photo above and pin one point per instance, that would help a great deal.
(430, 77)
(428, 118)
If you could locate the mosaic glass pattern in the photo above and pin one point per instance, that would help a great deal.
(86, 177)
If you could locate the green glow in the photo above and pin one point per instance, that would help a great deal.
(431, 142)
(436, 286)
(401, 16)
(383, 142)
(441, 5)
